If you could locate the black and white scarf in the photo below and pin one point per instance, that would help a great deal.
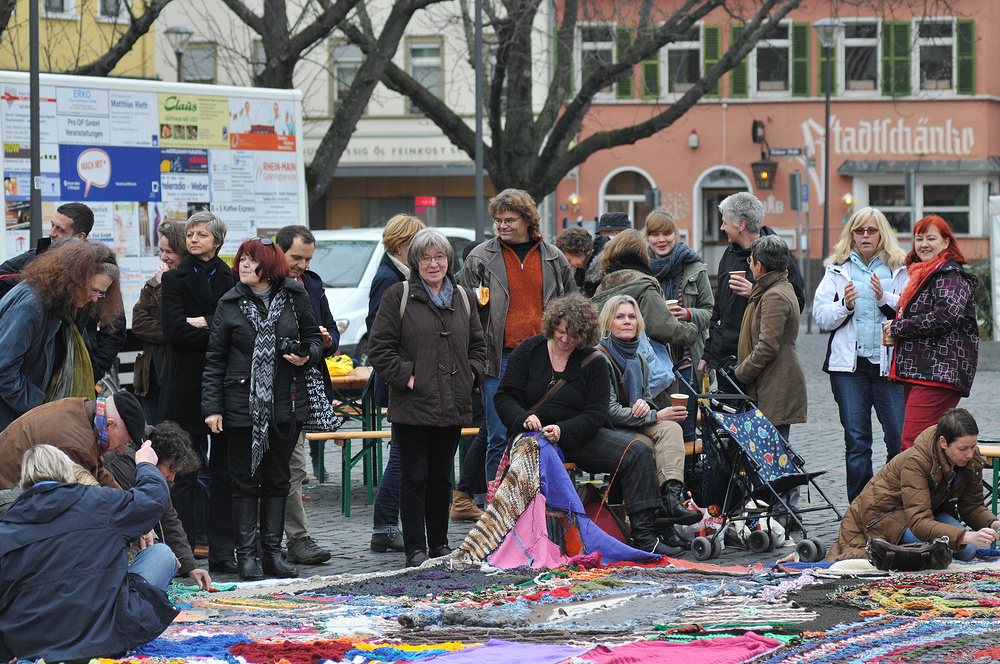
(262, 370)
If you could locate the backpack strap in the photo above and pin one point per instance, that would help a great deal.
(406, 296)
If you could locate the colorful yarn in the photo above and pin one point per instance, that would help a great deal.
(197, 646)
(402, 652)
(973, 594)
(294, 653)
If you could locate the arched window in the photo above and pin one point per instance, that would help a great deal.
(625, 191)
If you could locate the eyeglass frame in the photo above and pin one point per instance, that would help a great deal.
(427, 260)
(862, 232)
(507, 222)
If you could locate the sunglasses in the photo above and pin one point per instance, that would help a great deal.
(266, 241)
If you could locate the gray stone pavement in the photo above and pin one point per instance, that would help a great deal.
(819, 441)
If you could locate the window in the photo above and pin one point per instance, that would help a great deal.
(772, 60)
(891, 200)
(684, 62)
(259, 57)
(58, 6)
(935, 51)
(111, 9)
(861, 56)
(952, 202)
(426, 68)
(198, 62)
(597, 49)
(626, 192)
(347, 60)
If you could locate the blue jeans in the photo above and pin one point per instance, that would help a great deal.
(156, 564)
(966, 553)
(496, 432)
(856, 393)
(385, 518)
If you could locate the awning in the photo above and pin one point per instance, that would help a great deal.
(405, 171)
(989, 166)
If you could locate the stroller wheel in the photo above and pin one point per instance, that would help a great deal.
(808, 551)
(820, 547)
(776, 541)
(716, 547)
(701, 547)
(759, 541)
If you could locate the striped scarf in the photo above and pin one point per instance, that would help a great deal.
(262, 370)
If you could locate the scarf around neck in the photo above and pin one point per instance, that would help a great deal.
(630, 262)
(441, 300)
(262, 364)
(401, 266)
(669, 269)
(624, 353)
(918, 275)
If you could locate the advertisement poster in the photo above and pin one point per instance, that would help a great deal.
(193, 121)
(15, 111)
(109, 173)
(135, 120)
(275, 177)
(239, 218)
(258, 124)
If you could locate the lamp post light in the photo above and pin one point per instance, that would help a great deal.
(829, 31)
(179, 36)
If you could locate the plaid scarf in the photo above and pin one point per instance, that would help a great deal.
(262, 370)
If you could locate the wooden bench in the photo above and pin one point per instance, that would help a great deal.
(370, 456)
(992, 454)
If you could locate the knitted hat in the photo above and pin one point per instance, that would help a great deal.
(614, 221)
(131, 415)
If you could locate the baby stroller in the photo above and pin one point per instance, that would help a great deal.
(763, 470)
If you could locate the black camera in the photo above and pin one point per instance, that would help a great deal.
(288, 346)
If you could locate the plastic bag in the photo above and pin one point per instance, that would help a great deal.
(339, 365)
(706, 527)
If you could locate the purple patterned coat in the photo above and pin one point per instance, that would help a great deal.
(937, 337)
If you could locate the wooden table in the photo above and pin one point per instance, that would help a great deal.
(992, 454)
(360, 407)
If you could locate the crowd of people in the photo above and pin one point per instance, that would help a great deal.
(596, 344)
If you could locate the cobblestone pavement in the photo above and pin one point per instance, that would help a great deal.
(819, 441)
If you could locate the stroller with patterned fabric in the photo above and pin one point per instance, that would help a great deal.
(765, 475)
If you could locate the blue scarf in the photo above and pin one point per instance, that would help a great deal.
(624, 355)
(669, 269)
(441, 300)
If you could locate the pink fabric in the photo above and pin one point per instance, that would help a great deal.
(528, 543)
(721, 650)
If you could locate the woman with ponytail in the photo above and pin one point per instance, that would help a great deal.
(935, 330)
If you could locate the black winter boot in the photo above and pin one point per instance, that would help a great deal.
(272, 527)
(644, 534)
(245, 527)
(672, 497)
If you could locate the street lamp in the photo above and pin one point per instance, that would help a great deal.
(179, 36)
(829, 31)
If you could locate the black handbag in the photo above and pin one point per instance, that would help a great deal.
(908, 557)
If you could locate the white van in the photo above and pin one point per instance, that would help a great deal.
(346, 261)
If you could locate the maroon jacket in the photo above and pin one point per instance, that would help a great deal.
(937, 337)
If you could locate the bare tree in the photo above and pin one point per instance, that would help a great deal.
(6, 9)
(137, 27)
(533, 146)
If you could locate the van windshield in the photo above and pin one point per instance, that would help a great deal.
(342, 263)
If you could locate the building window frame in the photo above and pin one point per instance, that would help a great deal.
(918, 43)
(630, 201)
(679, 89)
(68, 12)
(204, 46)
(783, 44)
(344, 56)
(841, 81)
(415, 42)
(108, 17)
(581, 48)
(974, 207)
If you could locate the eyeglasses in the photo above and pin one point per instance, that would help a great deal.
(749, 260)
(96, 293)
(266, 241)
(506, 222)
(440, 259)
(860, 232)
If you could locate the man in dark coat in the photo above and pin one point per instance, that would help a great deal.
(742, 219)
(67, 591)
(298, 243)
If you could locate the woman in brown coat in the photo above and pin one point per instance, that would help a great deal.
(768, 363)
(146, 323)
(921, 494)
(430, 350)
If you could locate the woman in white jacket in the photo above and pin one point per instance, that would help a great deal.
(865, 275)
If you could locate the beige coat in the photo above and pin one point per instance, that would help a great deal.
(907, 493)
(768, 363)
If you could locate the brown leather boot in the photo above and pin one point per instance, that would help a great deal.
(463, 508)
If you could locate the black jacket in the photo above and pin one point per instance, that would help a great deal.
(727, 314)
(324, 317)
(226, 383)
(65, 590)
(188, 292)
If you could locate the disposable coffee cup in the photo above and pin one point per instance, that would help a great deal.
(679, 400)
(739, 273)
(671, 303)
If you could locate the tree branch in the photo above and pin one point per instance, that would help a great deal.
(138, 26)
(254, 22)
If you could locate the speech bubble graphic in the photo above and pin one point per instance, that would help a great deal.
(94, 167)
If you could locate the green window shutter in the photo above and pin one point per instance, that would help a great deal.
(895, 58)
(561, 51)
(800, 59)
(821, 74)
(738, 83)
(624, 85)
(651, 78)
(711, 48)
(966, 57)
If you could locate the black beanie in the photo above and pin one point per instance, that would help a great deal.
(132, 417)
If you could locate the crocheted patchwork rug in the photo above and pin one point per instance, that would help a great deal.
(972, 594)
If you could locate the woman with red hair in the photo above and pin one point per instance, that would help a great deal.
(935, 330)
(264, 338)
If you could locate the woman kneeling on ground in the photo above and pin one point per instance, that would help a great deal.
(920, 495)
(573, 416)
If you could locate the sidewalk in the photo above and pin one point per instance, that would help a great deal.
(819, 441)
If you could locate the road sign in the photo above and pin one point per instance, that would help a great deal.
(805, 192)
(785, 152)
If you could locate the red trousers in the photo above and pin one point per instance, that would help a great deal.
(925, 404)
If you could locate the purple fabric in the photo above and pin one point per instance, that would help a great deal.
(560, 494)
(505, 652)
